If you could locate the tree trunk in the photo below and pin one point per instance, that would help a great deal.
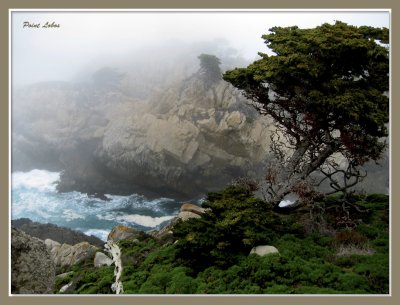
(290, 175)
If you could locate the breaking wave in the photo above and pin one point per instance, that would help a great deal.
(34, 196)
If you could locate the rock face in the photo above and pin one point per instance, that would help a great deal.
(54, 232)
(198, 140)
(180, 141)
(100, 259)
(66, 255)
(32, 269)
(264, 250)
(123, 232)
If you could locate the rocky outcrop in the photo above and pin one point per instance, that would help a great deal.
(264, 250)
(187, 211)
(192, 208)
(64, 255)
(100, 259)
(54, 232)
(163, 132)
(199, 140)
(123, 232)
(179, 142)
(32, 269)
(187, 215)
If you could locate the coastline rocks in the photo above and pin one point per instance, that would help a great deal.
(176, 143)
(187, 211)
(198, 142)
(54, 232)
(66, 255)
(190, 207)
(264, 250)
(123, 232)
(32, 269)
(100, 259)
(50, 244)
(187, 215)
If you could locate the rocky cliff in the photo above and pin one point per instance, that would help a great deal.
(162, 132)
(181, 141)
(32, 269)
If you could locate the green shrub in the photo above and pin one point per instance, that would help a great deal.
(315, 290)
(235, 223)
(352, 283)
(181, 283)
(94, 280)
(278, 289)
(133, 280)
(60, 282)
(375, 269)
(212, 253)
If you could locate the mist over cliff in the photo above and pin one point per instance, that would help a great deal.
(144, 120)
(150, 124)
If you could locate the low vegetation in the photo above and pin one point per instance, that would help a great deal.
(210, 255)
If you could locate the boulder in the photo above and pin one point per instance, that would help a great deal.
(32, 269)
(122, 232)
(66, 288)
(50, 244)
(66, 255)
(189, 207)
(187, 215)
(82, 251)
(264, 250)
(100, 259)
(187, 211)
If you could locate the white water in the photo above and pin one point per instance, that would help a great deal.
(34, 196)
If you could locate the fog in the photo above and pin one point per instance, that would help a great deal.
(87, 41)
(117, 103)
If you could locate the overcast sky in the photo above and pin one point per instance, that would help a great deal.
(43, 54)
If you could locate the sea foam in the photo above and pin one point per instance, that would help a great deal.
(34, 196)
(41, 180)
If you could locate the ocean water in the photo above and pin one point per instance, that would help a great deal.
(34, 196)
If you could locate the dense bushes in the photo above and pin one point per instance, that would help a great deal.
(235, 223)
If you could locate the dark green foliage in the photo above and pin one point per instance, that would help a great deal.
(375, 269)
(60, 282)
(235, 223)
(87, 279)
(162, 278)
(97, 281)
(324, 87)
(318, 69)
(210, 69)
(182, 283)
